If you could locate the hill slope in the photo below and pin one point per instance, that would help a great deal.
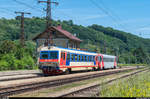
(96, 38)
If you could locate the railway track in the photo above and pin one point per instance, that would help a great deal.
(19, 77)
(17, 89)
(20, 72)
(93, 89)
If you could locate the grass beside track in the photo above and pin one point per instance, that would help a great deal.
(134, 86)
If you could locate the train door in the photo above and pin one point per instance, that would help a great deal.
(102, 62)
(96, 60)
(63, 58)
(68, 59)
(115, 62)
(99, 62)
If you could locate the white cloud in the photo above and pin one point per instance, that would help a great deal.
(90, 17)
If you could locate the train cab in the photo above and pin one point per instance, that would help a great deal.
(49, 62)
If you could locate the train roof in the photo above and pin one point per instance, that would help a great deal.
(108, 56)
(75, 51)
(69, 50)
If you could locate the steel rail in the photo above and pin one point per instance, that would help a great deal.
(15, 74)
(48, 84)
(95, 87)
(19, 78)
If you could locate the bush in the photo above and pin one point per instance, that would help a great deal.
(4, 65)
(11, 60)
(28, 62)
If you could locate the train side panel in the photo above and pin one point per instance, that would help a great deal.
(73, 59)
(109, 61)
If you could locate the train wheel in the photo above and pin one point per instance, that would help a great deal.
(103, 68)
(45, 75)
(93, 69)
(68, 71)
(114, 67)
(98, 69)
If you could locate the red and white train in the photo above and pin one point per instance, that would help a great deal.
(56, 60)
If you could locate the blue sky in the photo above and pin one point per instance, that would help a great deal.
(128, 15)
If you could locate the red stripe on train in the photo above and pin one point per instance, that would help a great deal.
(75, 66)
(48, 60)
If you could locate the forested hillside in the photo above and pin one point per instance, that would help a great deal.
(129, 48)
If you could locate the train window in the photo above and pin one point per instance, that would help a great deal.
(79, 58)
(112, 60)
(76, 57)
(72, 57)
(85, 58)
(68, 56)
(93, 58)
(82, 58)
(104, 60)
(62, 54)
(54, 55)
(88, 58)
(108, 59)
(44, 56)
(100, 58)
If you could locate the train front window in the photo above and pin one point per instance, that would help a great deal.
(44, 55)
(54, 55)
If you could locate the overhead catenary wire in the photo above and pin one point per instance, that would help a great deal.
(7, 12)
(117, 17)
(27, 5)
(107, 13)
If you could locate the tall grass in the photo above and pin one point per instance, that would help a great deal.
(134, 86)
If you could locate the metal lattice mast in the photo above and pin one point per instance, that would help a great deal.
(48, 12)
(22, 36)
(49, 20)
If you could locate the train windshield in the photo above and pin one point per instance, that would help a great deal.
(44, 55)
(54, 55)
(49, 55)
